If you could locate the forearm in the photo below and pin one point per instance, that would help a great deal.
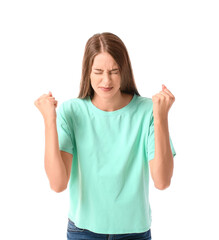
(54, 165)
(163, 170)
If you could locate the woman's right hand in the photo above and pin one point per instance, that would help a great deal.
(47, 105)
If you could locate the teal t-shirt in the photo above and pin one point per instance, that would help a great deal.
(109, 181)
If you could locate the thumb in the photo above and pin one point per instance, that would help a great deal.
(163, 86)
(50, 93)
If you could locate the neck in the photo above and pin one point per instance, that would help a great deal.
(109, 103)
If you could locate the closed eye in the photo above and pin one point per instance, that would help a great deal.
(110, 73)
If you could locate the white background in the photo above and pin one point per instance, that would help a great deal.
(171, 42)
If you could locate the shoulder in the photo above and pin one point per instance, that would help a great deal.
(144, 106)
(72, 108)
(71, 104)
(144, 102)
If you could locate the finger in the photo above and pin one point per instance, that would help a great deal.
(51, 100)
(54, 102)
(164, 94)
(168, 91)
(155, 97)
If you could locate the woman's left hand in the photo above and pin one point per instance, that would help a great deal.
(162, 103)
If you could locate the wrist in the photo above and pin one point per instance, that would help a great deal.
(49, 122)
(160, 120)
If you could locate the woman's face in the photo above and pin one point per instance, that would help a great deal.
(105, 74)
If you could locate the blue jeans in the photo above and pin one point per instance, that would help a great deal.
(75, 233)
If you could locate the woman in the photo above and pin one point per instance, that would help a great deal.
(103, 143)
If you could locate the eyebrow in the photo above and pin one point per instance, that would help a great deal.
(102, 70)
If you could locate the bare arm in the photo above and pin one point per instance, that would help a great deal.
(54, 165)
(162, 164)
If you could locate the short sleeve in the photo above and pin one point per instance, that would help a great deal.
(64, 132)
(150, 148)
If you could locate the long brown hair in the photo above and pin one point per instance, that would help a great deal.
(107, 42)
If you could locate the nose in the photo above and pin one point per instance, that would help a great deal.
(106, 78)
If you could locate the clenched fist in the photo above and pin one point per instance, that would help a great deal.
(162, 103)
(47, 105)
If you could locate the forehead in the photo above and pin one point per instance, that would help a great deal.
(104, 61)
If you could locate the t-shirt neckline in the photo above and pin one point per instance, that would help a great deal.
(112, 113)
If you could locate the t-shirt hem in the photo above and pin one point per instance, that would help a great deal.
(101, 232)
(65, 150)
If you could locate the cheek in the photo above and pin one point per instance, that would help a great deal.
(117, 81)
(94, 81)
